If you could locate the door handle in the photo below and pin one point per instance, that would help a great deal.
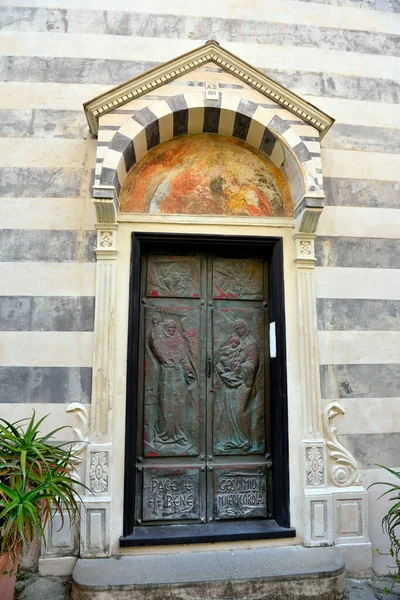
(209, 366)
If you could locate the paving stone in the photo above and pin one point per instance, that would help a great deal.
(33, 587)
(378, 586)
(358, 590)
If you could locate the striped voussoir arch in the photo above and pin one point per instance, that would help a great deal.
(191, 113)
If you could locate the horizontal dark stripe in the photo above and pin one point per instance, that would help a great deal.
(361, 192)
(39, 123)
(334, 85)
(71, 70)
(201, 28)
(46, 313)
(383, 5)
(360, 381)
(39, 182)
(369, 253)
(368, 139)
(24, 245)
(113, 72)
(45, 384)
(338, 314)
(372, 449)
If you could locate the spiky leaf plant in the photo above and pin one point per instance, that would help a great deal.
(36, 482)
(391, 520)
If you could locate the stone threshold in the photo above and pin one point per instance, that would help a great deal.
(292, 572)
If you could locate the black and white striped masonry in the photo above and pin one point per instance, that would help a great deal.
(188, 113)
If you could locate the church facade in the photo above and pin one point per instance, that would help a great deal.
(199, 260)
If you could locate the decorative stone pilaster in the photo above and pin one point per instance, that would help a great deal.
(335, 501)
(104, 333)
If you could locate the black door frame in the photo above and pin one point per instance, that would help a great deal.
(279, 526)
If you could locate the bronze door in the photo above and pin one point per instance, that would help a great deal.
(202, 440)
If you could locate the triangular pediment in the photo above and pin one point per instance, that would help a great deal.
(211, 52)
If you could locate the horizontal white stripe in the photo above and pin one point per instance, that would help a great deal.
(359, 221)
(118, 47)
(360, 165)
(66, 96)
(361, 415)
(339, 282)
(357, 112)
(47, 279)
(57, 416)
(46, 349)
(47, 213)
(36, 152)
(276, 11)
(359, 347)
(53, 96)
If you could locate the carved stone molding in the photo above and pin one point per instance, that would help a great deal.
(345, 471)
(95, 529)
(98, 478)
(106, 207)
(318, 518)
(209, 52)
(307, 213)
(314, 463)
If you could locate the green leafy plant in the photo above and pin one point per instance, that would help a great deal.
(36, 482)
(391, 521)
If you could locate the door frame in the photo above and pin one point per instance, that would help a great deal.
(279, 526)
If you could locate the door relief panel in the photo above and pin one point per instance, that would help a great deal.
(238, 422)
(173, 276)
(202, 420)
(172, 385)
(171, 494)
(238, 279)
(240, 493)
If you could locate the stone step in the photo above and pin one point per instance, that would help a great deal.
(283, 573)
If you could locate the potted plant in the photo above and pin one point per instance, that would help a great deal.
(36, 482)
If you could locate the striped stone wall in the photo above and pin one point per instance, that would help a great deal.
(341, 55)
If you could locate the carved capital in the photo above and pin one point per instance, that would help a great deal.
(106, 240)
(304, 244)
(106, 203)
(345, 471)
(307, 213)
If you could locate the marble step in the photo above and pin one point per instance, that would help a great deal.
(286, 572)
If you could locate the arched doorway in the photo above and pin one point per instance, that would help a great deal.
(206, 425)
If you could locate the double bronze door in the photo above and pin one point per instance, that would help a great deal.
(202, 438)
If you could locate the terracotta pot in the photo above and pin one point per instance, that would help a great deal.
(7, 581)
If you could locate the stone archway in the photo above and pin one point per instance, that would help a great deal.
(191, 113)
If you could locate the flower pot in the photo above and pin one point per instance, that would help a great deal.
(7, 580)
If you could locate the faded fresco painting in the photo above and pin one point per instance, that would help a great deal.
(206, 174)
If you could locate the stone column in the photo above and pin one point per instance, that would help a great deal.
(95, 517)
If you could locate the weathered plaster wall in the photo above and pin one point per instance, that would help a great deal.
(342, 55)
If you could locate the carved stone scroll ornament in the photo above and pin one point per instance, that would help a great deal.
(82, 432)
(345, 471)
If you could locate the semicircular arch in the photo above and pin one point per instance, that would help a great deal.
(162, 120)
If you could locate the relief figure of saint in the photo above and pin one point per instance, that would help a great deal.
(176, 379)
(237, 363)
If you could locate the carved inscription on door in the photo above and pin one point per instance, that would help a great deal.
(202, 441)
(171, 494)
(240, 493)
